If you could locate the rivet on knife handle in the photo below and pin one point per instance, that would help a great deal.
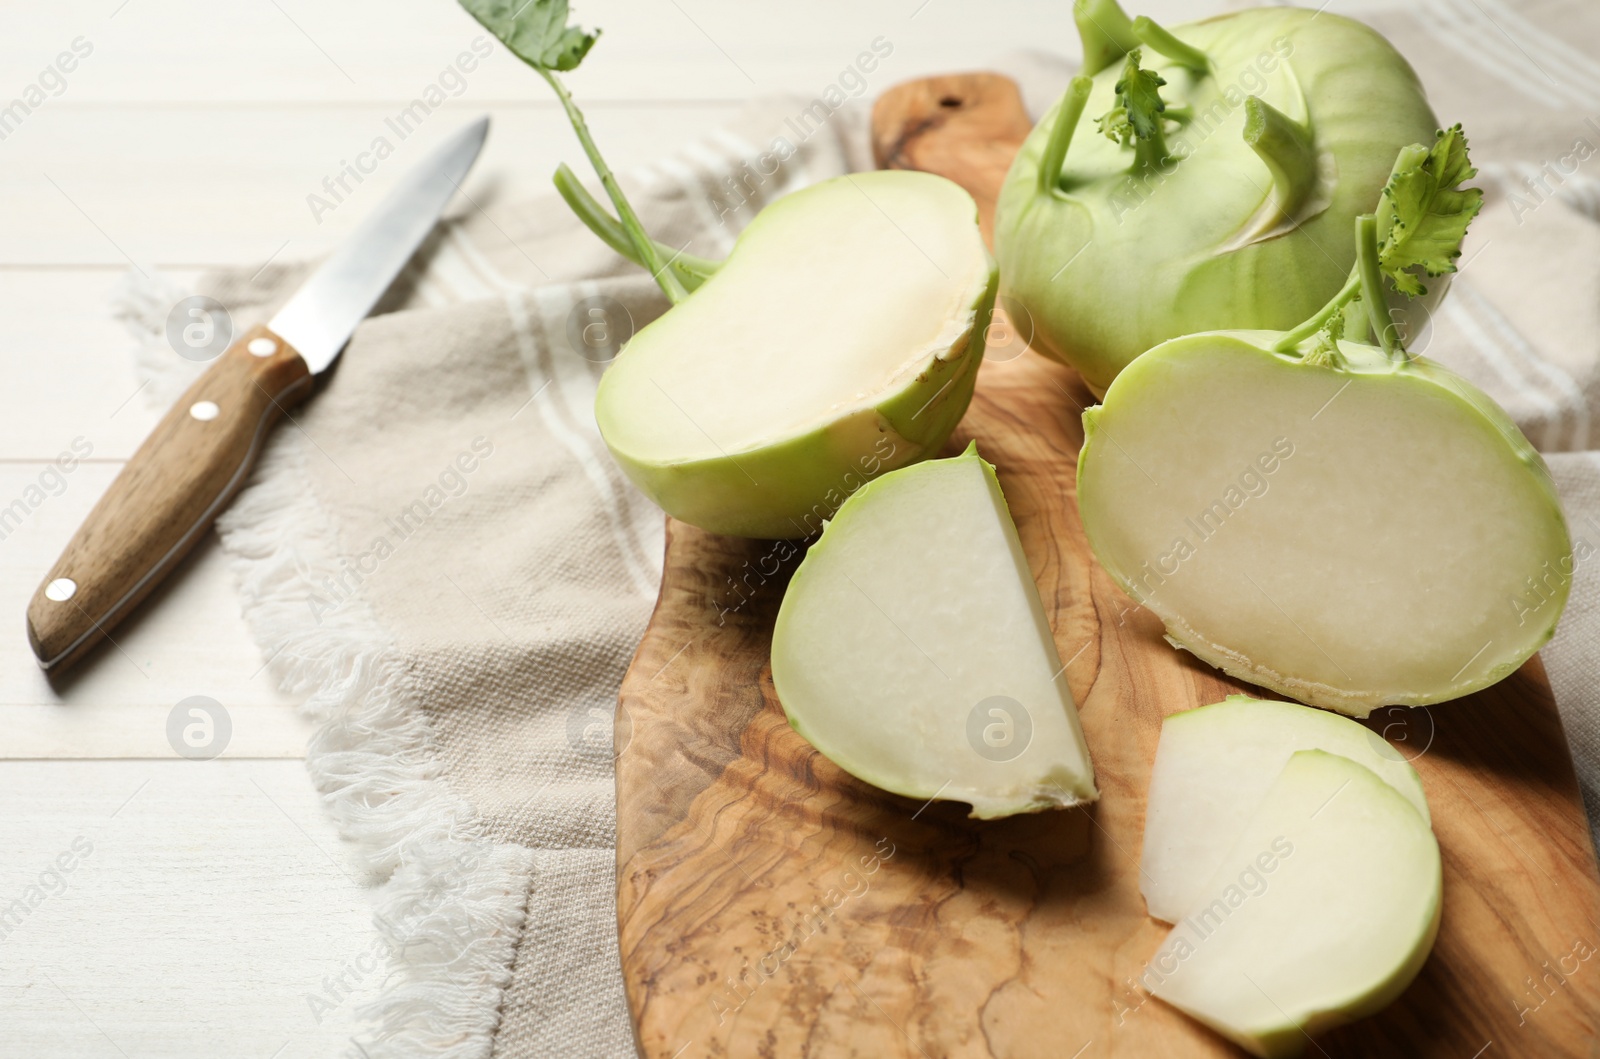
(166, 497)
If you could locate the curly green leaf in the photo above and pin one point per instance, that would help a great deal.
(1139, 91)
(1326, 350)
(1114, 126)
(1424, 214)
(536, 31)
(1138, 120)
(1422, 218)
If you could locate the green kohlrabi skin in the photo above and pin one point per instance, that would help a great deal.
(1116, 258)
(789, 489)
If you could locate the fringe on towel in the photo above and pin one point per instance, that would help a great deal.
(143, 302)
(452, 908)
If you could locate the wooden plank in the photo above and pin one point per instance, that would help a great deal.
(214, 898)
(71, 365)
(112, 730)
(187, 185)
(167, 50)
(769, 902)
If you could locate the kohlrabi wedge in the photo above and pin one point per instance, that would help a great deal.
(1322, 911)
(1214, 766)
(840, 339)
(1215, 185)
(913, 651)
(1338, 521)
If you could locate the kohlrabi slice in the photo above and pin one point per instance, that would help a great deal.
(1322, 911)
(840, 339)
(1340, 522)
(1350, 534)
(913, 651)
(1213, 175)
(1213, 768)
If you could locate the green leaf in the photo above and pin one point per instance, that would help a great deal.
(1424, 214)
(1326, 350)
(1139, 92)
(1113, 124)
(1138, 120)
(536, 31)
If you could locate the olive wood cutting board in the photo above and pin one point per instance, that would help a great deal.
(771, 905)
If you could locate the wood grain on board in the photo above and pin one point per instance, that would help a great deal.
(967, 124)
(772, 905)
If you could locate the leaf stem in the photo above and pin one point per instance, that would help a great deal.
(1150, 152)
(1357, 327)
(1335, 305)
(1372, 286)
(1106, 33)
(691, 270)
(1160, 40)
(1285, 148)
(642, 244)
(1067, 118)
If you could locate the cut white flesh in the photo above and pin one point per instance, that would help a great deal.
(840, 339)
(1213, 768)
(1351, 536)
(1322, 912)
(912, 649)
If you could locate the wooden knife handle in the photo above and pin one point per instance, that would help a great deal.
(964, 127)
(166, 497)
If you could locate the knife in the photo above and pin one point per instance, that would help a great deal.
(200, 453)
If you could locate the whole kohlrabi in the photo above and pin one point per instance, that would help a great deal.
(1213, 178)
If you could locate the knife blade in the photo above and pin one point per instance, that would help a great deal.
(200, 453)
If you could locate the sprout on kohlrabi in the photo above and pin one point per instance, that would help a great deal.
(1421, 220)
(536, 32)
(1321, 513)
(840, 339)
(1199, 178)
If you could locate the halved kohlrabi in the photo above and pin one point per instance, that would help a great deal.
(1214, 766)
(840, 339)
(913, 651)
(1218, 191)
(739, 423)
(1322, 911)
(1349, 534)
(1341, 522)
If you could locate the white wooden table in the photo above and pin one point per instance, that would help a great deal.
(215, 897)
